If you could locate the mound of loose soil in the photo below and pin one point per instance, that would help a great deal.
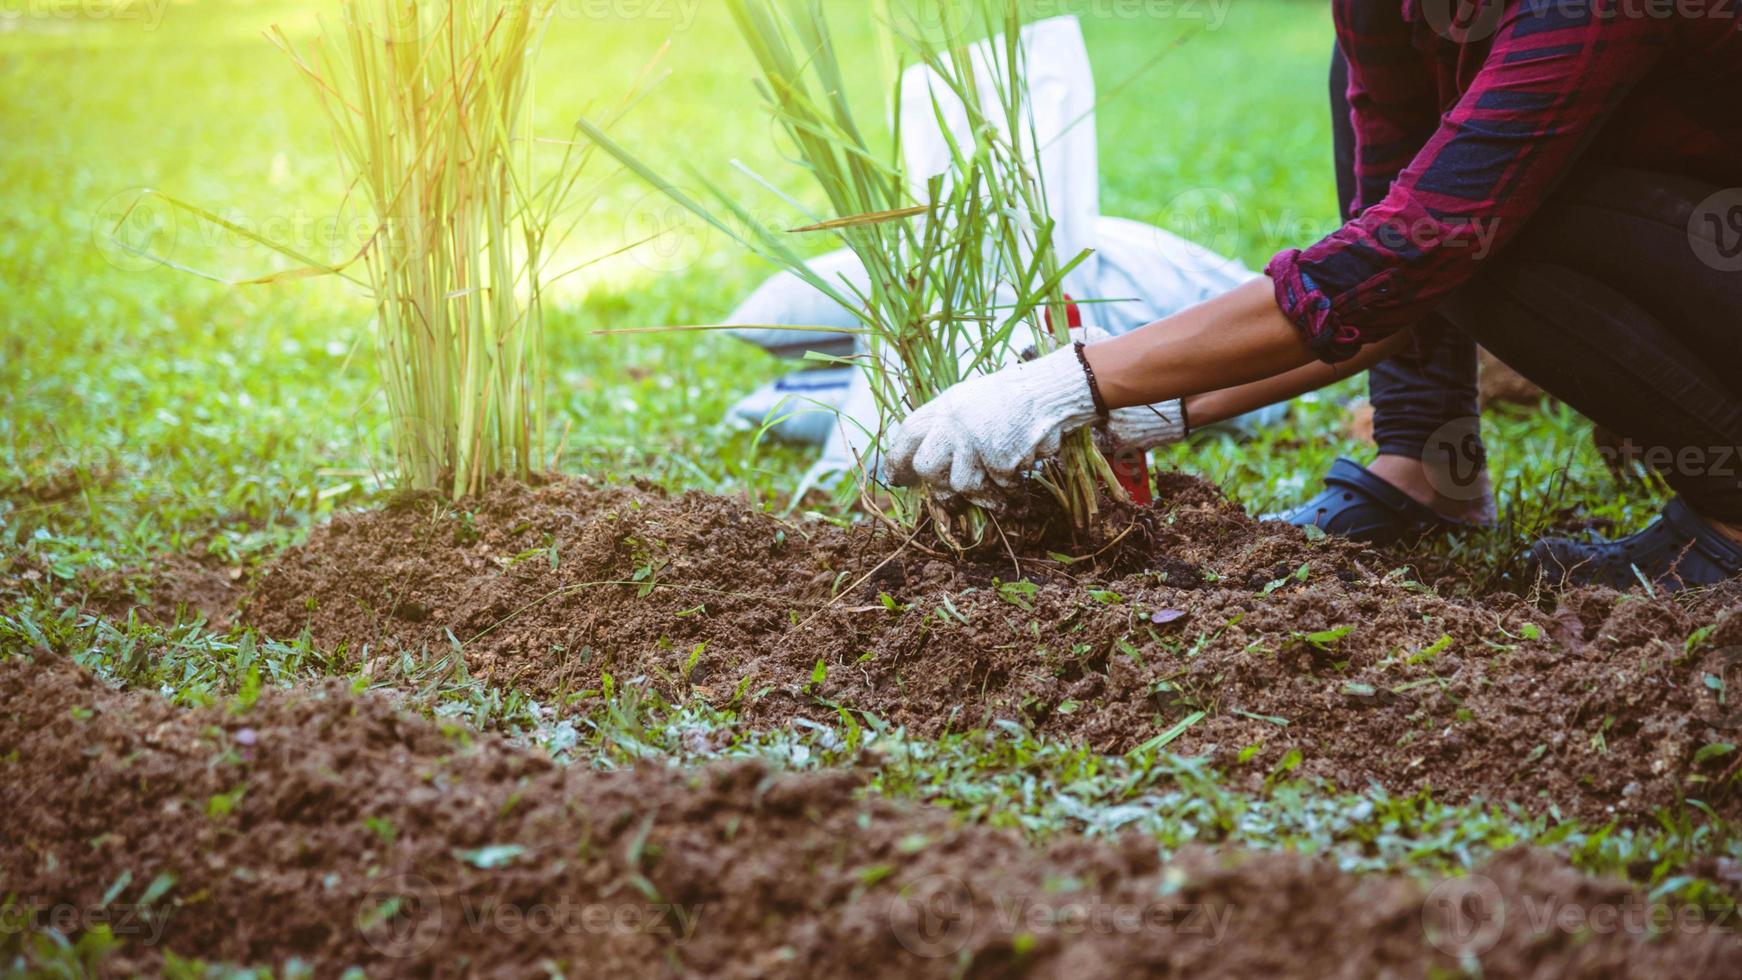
(1285, 643)
(324, 826)
(176, 587)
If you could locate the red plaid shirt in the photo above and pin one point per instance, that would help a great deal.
(1468, 113)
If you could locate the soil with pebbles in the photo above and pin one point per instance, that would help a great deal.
(1594, 702)
(327, 827)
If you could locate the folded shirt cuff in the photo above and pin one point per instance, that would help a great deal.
(1311, 310)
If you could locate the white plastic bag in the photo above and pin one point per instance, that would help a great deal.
(1061, 92)
(785, 300)
(1061, 107)
(800, 407)
(1147, 273)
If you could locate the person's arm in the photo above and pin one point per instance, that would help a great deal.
(1230, 403)
(1549, 82)
(1222, 358)
(983, 434)
(1237, 338)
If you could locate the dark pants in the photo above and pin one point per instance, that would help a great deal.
(1419, 397)
(1607, 301)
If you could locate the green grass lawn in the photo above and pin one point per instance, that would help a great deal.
(148, 411)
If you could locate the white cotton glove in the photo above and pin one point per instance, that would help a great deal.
(1139, 428)
(987, 432)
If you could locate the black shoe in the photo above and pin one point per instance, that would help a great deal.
(1360, 505)
(1679, 551)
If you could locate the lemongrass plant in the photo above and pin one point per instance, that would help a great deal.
(962, 267)
(430, 106)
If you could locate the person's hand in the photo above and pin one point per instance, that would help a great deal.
(987, 432)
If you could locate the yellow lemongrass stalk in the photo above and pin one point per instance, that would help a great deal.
(430, 107)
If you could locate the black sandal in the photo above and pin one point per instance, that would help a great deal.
(1360, 505)
(1679, 551)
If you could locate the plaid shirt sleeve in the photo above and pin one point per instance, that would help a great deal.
(1440, 192)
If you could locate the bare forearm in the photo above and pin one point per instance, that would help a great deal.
(1236, 339)
(1219, 406)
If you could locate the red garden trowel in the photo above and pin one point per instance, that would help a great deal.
(1133, 474)
(1132, 470)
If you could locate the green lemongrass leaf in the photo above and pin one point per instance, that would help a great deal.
(430, 108)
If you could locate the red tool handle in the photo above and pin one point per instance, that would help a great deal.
(1133, 474)
(1073, 316)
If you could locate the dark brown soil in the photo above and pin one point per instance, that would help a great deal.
(176, 588)
(1501, 384)
(1597, 707)
(1359, 423)
(323, 826)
